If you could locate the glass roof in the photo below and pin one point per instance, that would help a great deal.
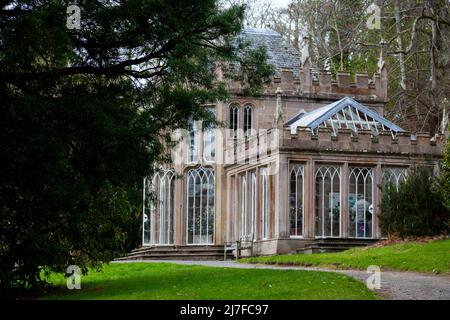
(343, 114)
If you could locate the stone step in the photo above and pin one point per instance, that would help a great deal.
(175, 248)
(180, 256)
(178, 253)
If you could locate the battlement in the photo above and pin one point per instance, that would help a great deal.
(420, 145)
(364, 141)
(324, 86)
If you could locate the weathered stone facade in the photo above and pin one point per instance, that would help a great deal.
(280, 186)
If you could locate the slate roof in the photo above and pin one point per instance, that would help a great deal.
(317, 117)
(279, 52)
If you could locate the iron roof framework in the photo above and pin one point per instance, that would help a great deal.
(343, 114)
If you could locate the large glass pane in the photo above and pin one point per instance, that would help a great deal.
(158, 208)
(253, 205)
(393, 176)
(360, 202)
(192, 152)
(248, 117)
(200, 206)
(296, 200)
(209, 139)
(244, 217)
(265, 203)
(234, 119)
(327, 202)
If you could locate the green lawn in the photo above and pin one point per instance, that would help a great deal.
(172, 281)
(433, 256)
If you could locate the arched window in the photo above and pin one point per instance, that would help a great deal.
(209, 140)
(193, 142)
(200, 206)
(158, 208)
(234, 119)
(360, 202)
(393, 176)
(328, 201)
(248, 118)
(296, 200)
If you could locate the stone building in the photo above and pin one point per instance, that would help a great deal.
(297, 168)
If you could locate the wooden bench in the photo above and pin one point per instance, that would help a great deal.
(243, 243)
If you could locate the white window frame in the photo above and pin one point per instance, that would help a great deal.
(351, 118)
(193, 143)
(265, 210)
(233, 117)
(163, 180)
(199, 173)
(248, 125)
(334, 171)
(365, 173)
(298, 170)
(396, 175)
(253, 192)
(209, 139)
(244, 201)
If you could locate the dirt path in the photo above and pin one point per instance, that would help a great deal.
(395, 285)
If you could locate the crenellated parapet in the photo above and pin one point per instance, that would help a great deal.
(364, 141)
(323, 140)
(324, 86)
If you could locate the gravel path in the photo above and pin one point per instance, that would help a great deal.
(395, 285)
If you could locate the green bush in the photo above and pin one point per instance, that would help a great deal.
(444, 183)
(415, 208)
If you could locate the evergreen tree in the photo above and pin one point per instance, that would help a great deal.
(85, 113)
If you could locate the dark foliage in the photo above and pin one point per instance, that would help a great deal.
(416, 208)
(444, 183)
(85, 114)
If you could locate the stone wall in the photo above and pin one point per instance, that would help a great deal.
(324, 86)
(420, 145)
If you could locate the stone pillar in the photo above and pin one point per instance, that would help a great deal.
(281, 198)
(306, 77)
(278, 117)
(344, 200)
(179, 236)
(229, 206)
(220, 196)
(377, 201)
(309, 195)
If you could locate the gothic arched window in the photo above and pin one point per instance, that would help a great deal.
(328, 201)
(296, 200)
(234, 119)
(248, 118)
(200, 191)
(158, 208)
(360, 202)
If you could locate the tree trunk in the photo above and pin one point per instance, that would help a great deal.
(401, 55)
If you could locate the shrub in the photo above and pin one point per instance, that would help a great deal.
(415, 208)
(444, 183)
